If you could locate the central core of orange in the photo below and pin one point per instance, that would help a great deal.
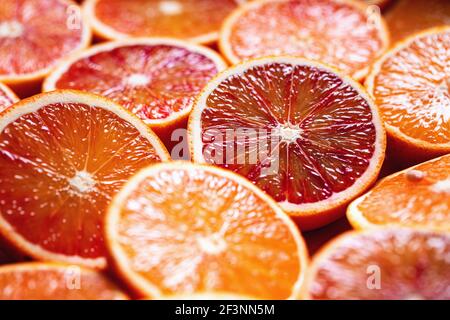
(83, 182)
(288, 132)
(11, 29)
(170, 7)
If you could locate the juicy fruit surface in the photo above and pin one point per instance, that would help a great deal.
(328, 31)
(152, 81)
(418, 197)
(36, 281)
(191, 230)
(34, 34)
(181, 19)
(409, 16)
(59, 168)
(410, 265)
(318, 128)
(412, 88)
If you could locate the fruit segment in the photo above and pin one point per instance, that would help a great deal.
(187, 229)
(418, 197)
(63, 155)
(394, 264)
(318, 131)
(34, 35)
(156, 79)
(337, 33)
(410, 85)
(194, 20)
(47, 281)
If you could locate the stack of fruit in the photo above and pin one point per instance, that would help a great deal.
(288, 110)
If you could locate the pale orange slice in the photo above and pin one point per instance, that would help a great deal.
(338, 33)
(387, 264)
(49, 281)
(63, 155)
(34, 36)
(411, 86)
(185, 229)
(195, 20)
(418, 197)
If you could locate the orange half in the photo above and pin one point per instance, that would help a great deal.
(63, 156)
(34, 36)
(418, 197)
(49, 281)
(195, 20)
(411, 86)
(194, 230)
(338, 33)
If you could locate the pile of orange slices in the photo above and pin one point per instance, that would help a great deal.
(197, 149)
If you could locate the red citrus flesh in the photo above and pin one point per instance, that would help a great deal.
(154, 81)
(383, 264)
(35, 34)
(183, 19)
(59, 167)
(333, 133)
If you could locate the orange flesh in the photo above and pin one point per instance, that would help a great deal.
(48, 282)
(34, 34)
(412, 89)
(152, 81)
(181, 19)
(409, 265)
(409, 16)
(334, 33)
(59, 168)
(189, 231)
(332, 138)
(418, 197)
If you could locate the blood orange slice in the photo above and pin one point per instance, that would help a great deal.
(418, 197)
(309, 137)
(334, 32)
(48, 281)
(196, 20)
(34, 36)
(7, 97)
(157, 79)
(380, 265)
(407, 17)
(185, 229)
(411, 86)
(63, 155)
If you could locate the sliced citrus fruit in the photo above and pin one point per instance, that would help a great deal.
(195, 20)
(34, 36)
(411, 86)
(333, 32)
(418, 197)
(63, 155)
(49, 281)
(7, 97)
(185, 229)
(384, 264)
(309, 137)
(157, 79)
(407, 17)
